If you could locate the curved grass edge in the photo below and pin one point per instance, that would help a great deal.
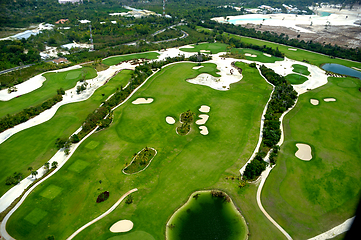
(191, 197)
(156, 152)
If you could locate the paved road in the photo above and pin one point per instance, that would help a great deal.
(16, 68)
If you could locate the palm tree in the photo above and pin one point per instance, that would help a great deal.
(30, 168)
(54, 164)
(34, 173)
(46, 165)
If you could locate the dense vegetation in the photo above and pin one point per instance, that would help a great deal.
(186, 119)
(140, 160)
(103, 196)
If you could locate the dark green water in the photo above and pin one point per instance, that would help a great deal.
(207, 218)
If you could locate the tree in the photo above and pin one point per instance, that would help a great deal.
(47, 165)
(54, 164)
(34, 173)
(30, 168)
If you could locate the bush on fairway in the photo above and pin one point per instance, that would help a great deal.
(103, 196)
(141, 160)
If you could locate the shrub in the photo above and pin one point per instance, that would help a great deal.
(103, 196)
(129, 199)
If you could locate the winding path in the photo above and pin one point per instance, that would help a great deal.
(103, 215)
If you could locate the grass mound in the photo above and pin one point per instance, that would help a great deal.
(294, 78)
(140, 161)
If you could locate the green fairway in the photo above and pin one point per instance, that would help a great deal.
(260, 56)
(35, 216)
(294, 78)
(51, 192)
(183, 163)
(78, 166)
(297, 68)
(310, 197)
(54, 81)
(118, 59)
(35, 146)
(210, 47)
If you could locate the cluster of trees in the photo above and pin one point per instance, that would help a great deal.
(14, 179)
(103, 196)
(328, 49)
(283, 97)
(186, 119)
(10, 121)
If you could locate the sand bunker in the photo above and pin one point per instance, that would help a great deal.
(170, 120)
(250, 55)
(204, 109)
(204, 130)
(143, 101)
(205, 51)
(329, 99)
(314, 101)
(267, 55)
(122, 226)
(303, 152)
(197, 67)
(292, 49)
(203, 120)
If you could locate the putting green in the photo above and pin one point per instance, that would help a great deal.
(325, 191)
(260, 57)
(78, 166)
(118, 59)
(294, 78)
(35, 216)
(297, 68)
(73, 74)
(51, 192)
(211, 47)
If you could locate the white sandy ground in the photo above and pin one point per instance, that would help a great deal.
(122, 226)
(205, 51)
(170, 120)
(30, 85)
(267, 55)
(304, 152)
(203, 120)
(292, 49)
(250, 55)
(358, 69)
(204, 109)
(103, 215)
(292, 20)
(314, 102)
(143, 101)
(70, 97)
(204, 130)
(197, 67)
(329, 99)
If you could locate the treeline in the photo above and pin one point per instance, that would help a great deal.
(328, 49)
(10, 121)
(283, 97)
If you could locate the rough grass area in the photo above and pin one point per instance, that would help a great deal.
(118, 59)
(297, 68)
(310, 197)
(16, 152)
(294, 78)
(181, 169)
(240, 52)
(211, 47)
(54, 81)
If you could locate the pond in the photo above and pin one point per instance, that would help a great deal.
(340, 69)
(207, 217)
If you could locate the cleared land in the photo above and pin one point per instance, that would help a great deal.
(118, 59)
(54, 81)
(309, 197)
(176, 172)
(16, 152)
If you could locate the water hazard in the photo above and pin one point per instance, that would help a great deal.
(340, 69)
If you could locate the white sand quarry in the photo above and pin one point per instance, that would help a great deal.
(143, 101)
(303, 152)
(204, 130)
(170, 120)
(250, 55)
(204, 109)
(267, 55)
(197, 67)
(314, 101)
(329, 99)
(122, 226)
(203, 120)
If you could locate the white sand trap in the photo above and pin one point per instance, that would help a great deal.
(303, 152)
(292, 49)
(143, 101)
(250, 55)
(205, 51)
(203, 120)
(204, 130)
(122, 226)
(197, 67)
(205, 109)
(267, 55)
(329, 99)
(314, 101)
(170, 120)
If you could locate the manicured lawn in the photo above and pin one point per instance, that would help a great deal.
(294, 78)
(183, 164)
(117, 59)
(260, 56)
(36, 145)
(54, 81)
(297, 68)
(310, 197)
(211, 47)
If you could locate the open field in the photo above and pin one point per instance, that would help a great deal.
(54, 81)
(209, 47)
(177, 170)
(118, 59)
(16, 152)
(296, 78)
(309, 197)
